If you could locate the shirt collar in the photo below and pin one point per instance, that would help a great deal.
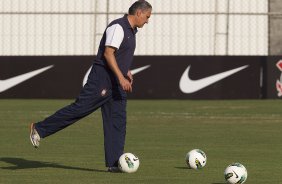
(128, 24)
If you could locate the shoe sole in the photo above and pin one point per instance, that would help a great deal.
(30, 135)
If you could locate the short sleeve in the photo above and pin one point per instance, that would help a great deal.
(114, 36)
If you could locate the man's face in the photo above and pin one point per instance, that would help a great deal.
(143, 17)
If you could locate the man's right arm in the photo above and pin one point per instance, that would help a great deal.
(112, 63)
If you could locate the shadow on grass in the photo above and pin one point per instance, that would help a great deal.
(182, 168)
(20, 163)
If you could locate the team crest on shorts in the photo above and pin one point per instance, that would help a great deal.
(103, 92)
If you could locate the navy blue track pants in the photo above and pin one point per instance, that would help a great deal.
(101, 90)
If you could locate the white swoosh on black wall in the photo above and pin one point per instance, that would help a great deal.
(188, 85)
(11, 82)
(134, 71)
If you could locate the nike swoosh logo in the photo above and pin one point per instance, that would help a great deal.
(188, 85)
(11, 82)
(133, 72)
(236, 174)
(137, 70)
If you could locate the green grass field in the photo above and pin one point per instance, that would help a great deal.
(159, 132)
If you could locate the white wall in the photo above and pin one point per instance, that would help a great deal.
(166, 34)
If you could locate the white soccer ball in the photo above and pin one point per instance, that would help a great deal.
(196, 159)
(235, 173)
(128, 163)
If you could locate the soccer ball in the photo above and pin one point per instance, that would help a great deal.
(235, 173)
(196, 159)
(128, 163)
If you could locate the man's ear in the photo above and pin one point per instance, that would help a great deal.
(138, 13)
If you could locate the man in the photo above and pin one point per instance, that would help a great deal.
(108, 82)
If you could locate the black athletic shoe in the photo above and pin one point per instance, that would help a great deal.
(114, 169)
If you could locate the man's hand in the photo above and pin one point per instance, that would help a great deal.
(130, 77)
(125, 84)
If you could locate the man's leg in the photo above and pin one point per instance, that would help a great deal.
(114, 122)
(93, 95)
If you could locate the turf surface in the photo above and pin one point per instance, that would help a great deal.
(159, 132)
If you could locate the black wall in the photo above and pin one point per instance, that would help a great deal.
(251, 77)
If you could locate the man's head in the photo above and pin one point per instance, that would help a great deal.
(141, 12)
